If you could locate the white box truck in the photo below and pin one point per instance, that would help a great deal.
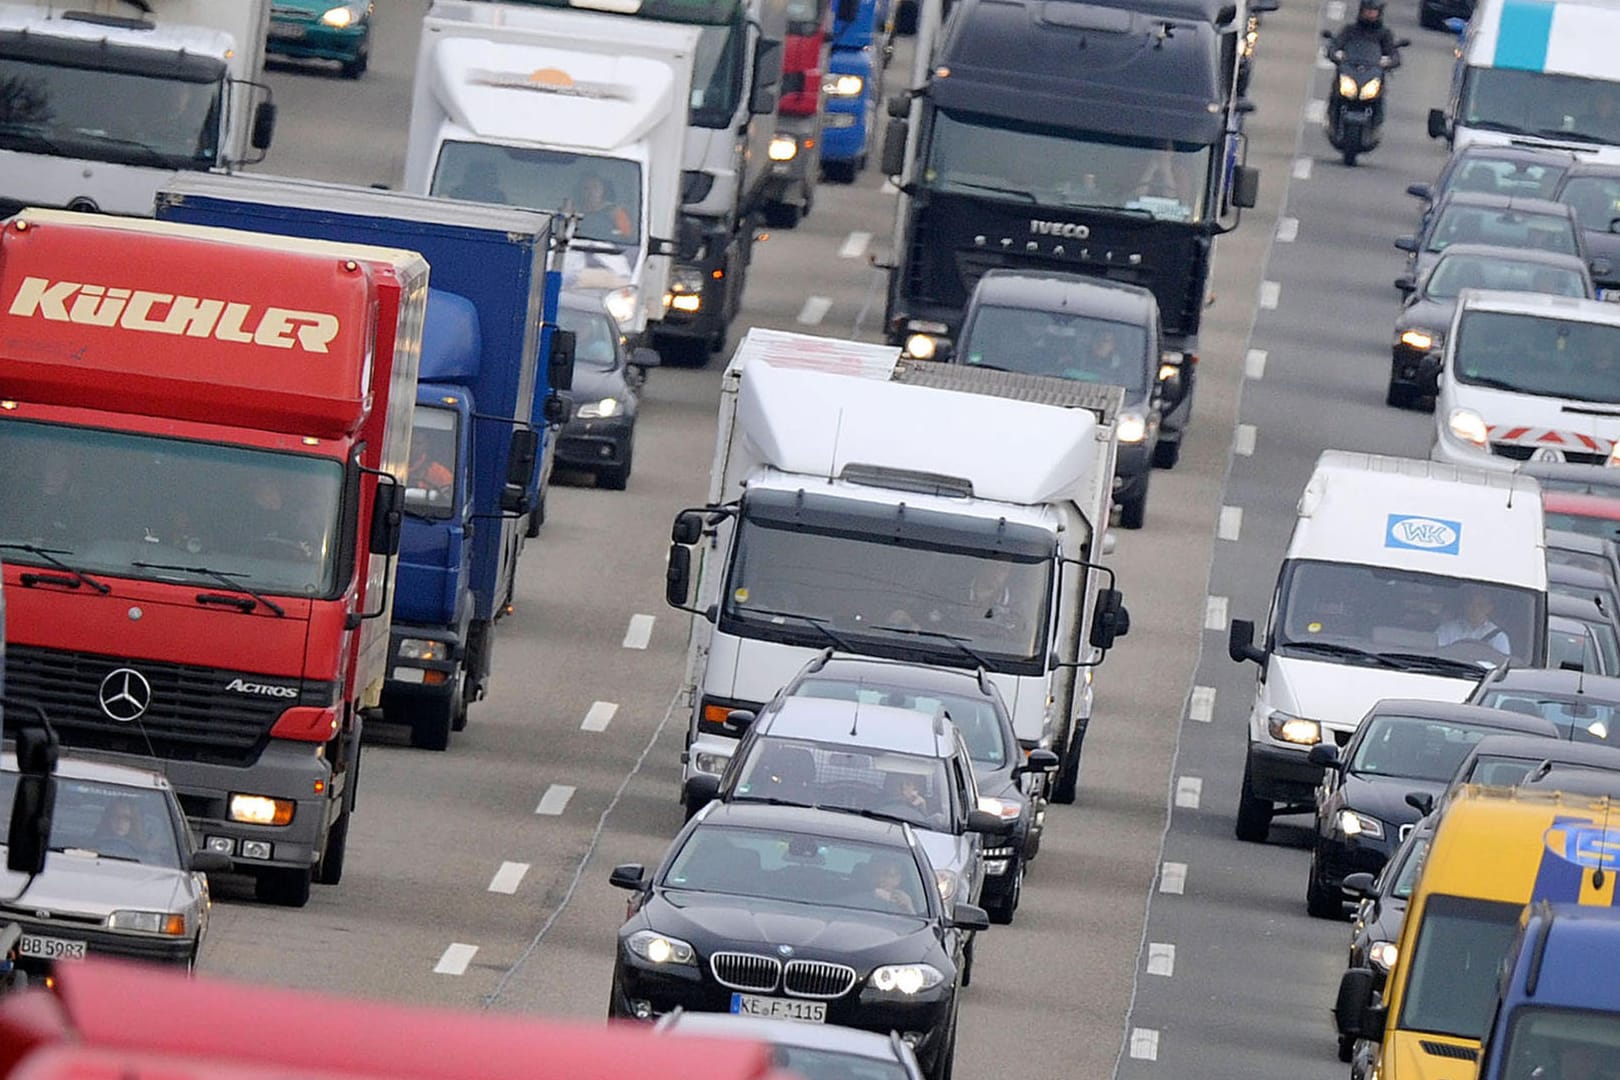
(937, 514)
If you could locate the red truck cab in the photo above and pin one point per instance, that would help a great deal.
(205, 435)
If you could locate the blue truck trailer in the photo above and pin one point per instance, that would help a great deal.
(476, 482)
(860, 53)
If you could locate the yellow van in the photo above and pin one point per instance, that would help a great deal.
(1494, 851)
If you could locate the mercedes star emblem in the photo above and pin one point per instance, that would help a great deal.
(125, 695)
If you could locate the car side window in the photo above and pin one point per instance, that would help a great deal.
(967, 794)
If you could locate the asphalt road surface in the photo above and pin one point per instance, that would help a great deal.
(1149, 941)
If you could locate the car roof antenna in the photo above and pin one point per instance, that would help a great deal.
(854, 718)
(1597, 871)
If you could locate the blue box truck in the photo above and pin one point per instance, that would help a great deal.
(860, 53)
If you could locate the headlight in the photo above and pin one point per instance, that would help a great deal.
(621, 304)
(419, 649)
(1168, 371)
(148, 922)
(597, 410)
(685, 289)
(946, 881)
(1294, 729)
(655, 948)
(1354, 824)
(782, 148)
(1371, 88)
(1469, 426)
(905, 978)
(921, 346)
(338, 16)
(261, 810)
(844, 85)
(1423, 340)
(1132, 427)
(705, 762)
(1005, 809)
(1347, 86)
(1383, 954)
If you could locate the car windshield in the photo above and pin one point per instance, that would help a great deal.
(1497, 770)
(805, 773)
(1411, 865)
(113, 821)
(1605, 643)
(1454, 273)
(112, 502)
(430, 479)
(1583, 720)
(595, 338)
(1541, 355)
(817, 1064)
(1059, 168)
(1451, 981)
(1414, 748)
(1595, 200)
(1462, 224)
(1502, 176)
(974, 716)
(1580, 1044)
(1570, 641)
(1586, 524)
(799, 868)
(1564, 107)
(1371, 614)
(604, 191)
(1053, 343)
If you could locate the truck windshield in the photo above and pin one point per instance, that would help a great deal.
(98, 114)
(804, 584)
(1379, 616)
(1564, 107)
(1053, 343)
(1530, 354)
(430, 481)
(1451, 983)
(112, 821)
(1043, 166)
(1577, 1042)
(717, 76)
(604, 191)
(105, 500)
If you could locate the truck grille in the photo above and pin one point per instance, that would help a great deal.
(191, 716)
(1521, 452)
(817, 979)
(745, 971)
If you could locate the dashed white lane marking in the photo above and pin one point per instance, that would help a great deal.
(1201, 707)
(1145, 1044)
(555, 800)
(815, 309)
(855, 245)
(455, 959)
(1270, 294)
(1302, 168)
(1173, 878)
(598, 716)
(1231, 523)
(1215, 613)
(508, 877)
(1323, 63)
(1287, 230)
(640, 631)
(1189, 791)
(1254, 364)
(1243, 440)
(1333, 11)
(1315, 111)
(888, 188)
(1161, 958)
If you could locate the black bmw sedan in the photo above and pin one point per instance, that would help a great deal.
(796, 913)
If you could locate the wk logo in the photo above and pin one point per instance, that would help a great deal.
(1413, 533)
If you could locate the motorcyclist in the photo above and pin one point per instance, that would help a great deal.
(1368, 27)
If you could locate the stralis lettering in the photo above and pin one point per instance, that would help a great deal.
(1065, 229)
(266, 689)
(165, 313)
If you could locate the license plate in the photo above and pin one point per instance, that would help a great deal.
(814, 1012)
(50, 948)
(288, 30)
(1358, 114)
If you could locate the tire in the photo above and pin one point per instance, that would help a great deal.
(968, 952)
(537, 518)
(1133, 512)
(839, 172)
(1400, 397)
(1429, 21)
(783, 215)
(282, 886)
(330, 869)
(1350, 156)
(431, 724)
(1321, 902)
(1067, 785)
(353, 69)
(1253, 823)
(945, 1062)
(617, 478)
(905, 18)
(1001, 912)
(1166, 454)
(1347, 1048)
(458, 715)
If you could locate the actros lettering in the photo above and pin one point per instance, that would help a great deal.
(267, 689)
(166, 313)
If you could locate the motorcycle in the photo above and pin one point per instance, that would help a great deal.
(1355, 110)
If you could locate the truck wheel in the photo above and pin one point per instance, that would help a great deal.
(838, 172)
(1133, 511)
(431, 724)
(537, 518)
(1166, 453)
(458, 714)
(783, 215)
(282, 886)
(1067, 785)
(1253, 815)
(337, 847)
(1398, 396)
(353, 69)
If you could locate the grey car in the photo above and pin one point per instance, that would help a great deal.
(1467, 217)
(122, 875)
(811, 1051)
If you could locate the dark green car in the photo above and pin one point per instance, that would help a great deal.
(322, 30)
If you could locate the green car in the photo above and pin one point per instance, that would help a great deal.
(322, 30)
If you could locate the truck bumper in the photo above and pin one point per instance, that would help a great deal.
(697, 307)
(791, 179)
(287, 770)
(1282, 775)
(843, 130)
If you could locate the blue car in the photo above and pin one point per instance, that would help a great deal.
(322, 30)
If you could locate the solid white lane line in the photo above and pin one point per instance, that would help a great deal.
(1243, 440)
(855, 245)
(815, 309)
(455, 959)
(1315, 111)
(1189, 791)
(1215, 613)
(508, 877)
(598, 716)
(1287, 230)
(641, 626)
(1173, 878)
(1270, 294)
(1254, 364)
(1202, 706)
(555, 800)
(1161, 958)
(1231, 524)
(1302, 168)
(1145, 1044)
(888, 188)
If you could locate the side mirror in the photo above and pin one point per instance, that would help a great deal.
(1600, 266)
(1420, 191)
(740, 720)
(1406, 243)
(1327, 35)
(560, 364)
(1244, 107)
(1240, 644)
(1421, 801)
(521, 456)
(1106, 619)
(898, 106)
(557, 410)
(643, 357)
(1357, 886)
(1437, 123)
(264, 126)
(1324, 754)
(210, 862)
(678, 576)
(688, 528)
(29, 836)
(702, 789)
(1406, 283)
(969, 917)
(689, 236)
(847, 11)
(1245, 186)
(1353, 1012)
(387, 518)
(628, 876)
(893, 160)
(1039, 760)
(982, 821)
(763, 96)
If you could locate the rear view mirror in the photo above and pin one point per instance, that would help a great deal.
(628, 876)
(1437, 124)
(1420, 191)
(521, 456)
(560, 364)
(1240, 644)
(982, 821)
(1245, 186)
(29, 836)
(1406, 283)
(1357, 886)
(1039, 760)
(968, 917)
(898, 106)
(701, 790)
(264, 126)
(764, 94)
(387, 517)
(1109, 619)
(893, 161)
(1406, 243)
(1324, 754)
(1421, 801)
(688, 528)
(678, 576)
(643, 357)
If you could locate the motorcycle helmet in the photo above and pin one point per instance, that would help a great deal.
(1371, 14)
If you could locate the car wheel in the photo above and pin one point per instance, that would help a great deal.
(617, 478)
(458, 713)
(282, 886)
(431, 723)
(1253, 814)
(353, 69)
(968, 952)
(1002, 908)
(537, 518)
(1166, 453)
(1321, 902)
(1347, 1048)
(1133, 511)
(1067, 785)
(945, 1060)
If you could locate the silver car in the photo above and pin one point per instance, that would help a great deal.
(813, 1051)
(122, 876)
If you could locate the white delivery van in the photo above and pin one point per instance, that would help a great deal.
(1402, 579)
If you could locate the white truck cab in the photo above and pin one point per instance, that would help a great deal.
(1402, 579)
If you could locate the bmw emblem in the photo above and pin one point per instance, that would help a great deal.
(785, 950)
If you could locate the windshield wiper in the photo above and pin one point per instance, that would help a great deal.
(1443, 663)
(810, 620)
(1133, 211)
(94, 852)
(994, 189)
(1498, 125)
(26, 134)
(1347, 652)
(875, 815)
(959, 642)
(1588, 410)
(1490, 382)
(145, 150)
(1573, 136)
(227, 580)
(50, 556)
